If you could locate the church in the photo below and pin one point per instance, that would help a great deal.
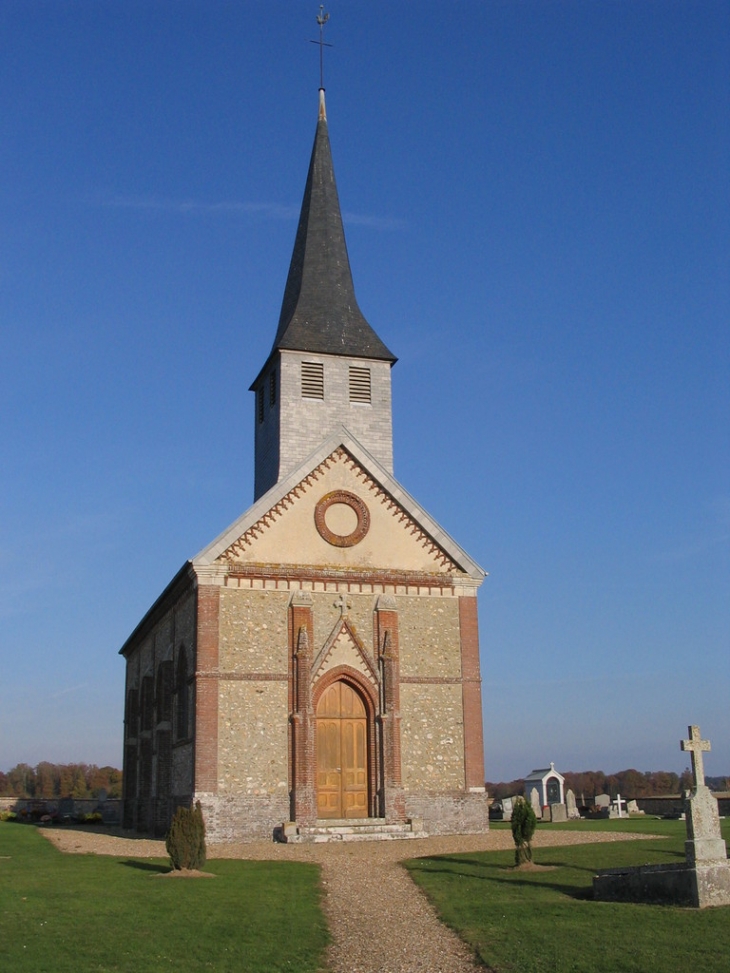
(314, 671)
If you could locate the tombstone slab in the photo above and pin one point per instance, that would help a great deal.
(570, 806)
(535, 802)
(558, 812)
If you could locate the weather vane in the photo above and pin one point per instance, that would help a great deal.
(322, 18)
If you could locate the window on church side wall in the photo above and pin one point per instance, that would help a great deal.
(272, 388)
(260, 403)
(360, 390)
(132, 712)
(181, 689)
(312, 380)
(147, 704)
(164, 692)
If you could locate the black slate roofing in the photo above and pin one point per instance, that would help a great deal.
(319, 312)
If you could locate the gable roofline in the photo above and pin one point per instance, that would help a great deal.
(342, 438)
(178, 586)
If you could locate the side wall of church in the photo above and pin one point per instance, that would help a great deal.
(158, 724)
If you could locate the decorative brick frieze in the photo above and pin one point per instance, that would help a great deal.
(245, 676)
(355, 580)
(431, 680)
(374, 490)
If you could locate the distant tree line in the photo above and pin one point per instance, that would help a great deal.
(628, 783)
(49, 781)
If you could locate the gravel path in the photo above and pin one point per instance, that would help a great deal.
(380, 921)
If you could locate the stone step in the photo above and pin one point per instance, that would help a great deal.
(350, 829)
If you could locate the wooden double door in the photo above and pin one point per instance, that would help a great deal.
(342, 754)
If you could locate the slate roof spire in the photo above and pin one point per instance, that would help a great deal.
(319, 313)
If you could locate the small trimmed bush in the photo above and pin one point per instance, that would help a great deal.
(524, 823)
(185, 841)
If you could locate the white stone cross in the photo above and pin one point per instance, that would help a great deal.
(696, 746)
(343, 604)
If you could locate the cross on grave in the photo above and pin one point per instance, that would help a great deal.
(343, 604)
(696, 746)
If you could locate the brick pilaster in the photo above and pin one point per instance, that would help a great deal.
(471, 693)
(303, 782)
(389, 717)
(206, 690)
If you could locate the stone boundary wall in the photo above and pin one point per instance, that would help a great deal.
(674, 804)
(111, 809)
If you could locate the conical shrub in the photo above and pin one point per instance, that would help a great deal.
(524, 823)
(185, 841)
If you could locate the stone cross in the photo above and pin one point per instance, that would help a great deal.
(343, 604)
(696, 746)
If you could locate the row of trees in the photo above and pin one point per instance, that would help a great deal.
(627, 783)
(50, 781)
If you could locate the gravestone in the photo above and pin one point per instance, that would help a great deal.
(507, 809)
(633, 808)
(616, 809)
(602, 800)
(570, 806)
(704, 841)
(558, 812)
(704, 878)
(535, 802)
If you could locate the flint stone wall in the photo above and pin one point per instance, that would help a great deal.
(449, 813)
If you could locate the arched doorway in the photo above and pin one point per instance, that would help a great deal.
(342, 753)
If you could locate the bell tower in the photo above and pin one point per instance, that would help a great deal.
(327, 367)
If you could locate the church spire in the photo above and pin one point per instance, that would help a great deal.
(319, 313)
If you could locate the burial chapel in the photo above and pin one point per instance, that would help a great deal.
(315, 669)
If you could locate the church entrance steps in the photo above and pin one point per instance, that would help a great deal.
(351, 829)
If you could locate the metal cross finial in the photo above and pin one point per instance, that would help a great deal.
(322, 19)
(696, 746)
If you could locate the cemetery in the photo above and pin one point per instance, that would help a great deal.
(581, 882)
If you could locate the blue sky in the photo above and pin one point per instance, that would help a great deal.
(536, 203)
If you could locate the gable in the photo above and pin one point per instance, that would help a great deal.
(339, 516)
(343, 648)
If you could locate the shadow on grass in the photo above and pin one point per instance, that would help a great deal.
(145, 866)
(496, 873)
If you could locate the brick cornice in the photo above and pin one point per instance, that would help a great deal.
(298, 573)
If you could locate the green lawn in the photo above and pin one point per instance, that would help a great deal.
(547, 922)
(78, 913)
